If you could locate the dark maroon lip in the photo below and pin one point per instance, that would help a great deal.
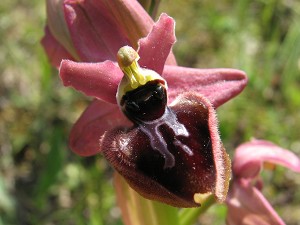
(170, 156)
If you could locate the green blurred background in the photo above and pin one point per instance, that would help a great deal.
(42, 182)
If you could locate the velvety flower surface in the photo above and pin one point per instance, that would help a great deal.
(246, 204)
(192, 159)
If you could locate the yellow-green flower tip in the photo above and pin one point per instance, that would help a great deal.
(127, 60)
(134, 75)
(126, 56)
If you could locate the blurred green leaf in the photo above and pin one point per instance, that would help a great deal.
(53, 165)
(191, 216)
(7, 203)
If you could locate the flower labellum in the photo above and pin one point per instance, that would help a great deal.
(172, 153)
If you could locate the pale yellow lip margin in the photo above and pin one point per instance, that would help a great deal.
(201, 198)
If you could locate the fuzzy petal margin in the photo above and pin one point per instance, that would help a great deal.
(249, 158)
(221, 158)
(218, 85)
(99, 117)
(156, 47)
(247, 206)
(98, 80)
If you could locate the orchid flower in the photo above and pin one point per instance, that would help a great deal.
(246, 204)
(154, 121)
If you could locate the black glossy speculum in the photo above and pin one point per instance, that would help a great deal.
(145, 103)
(147, 107)
(142, 96)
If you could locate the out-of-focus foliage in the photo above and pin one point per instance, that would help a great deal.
(42, 182)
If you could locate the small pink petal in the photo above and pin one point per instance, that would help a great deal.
(247, 206)
(98, 80)
(95, 34)
(156, 47)
(249, 158)
(99, 117)
(218, 85)
(55, 51)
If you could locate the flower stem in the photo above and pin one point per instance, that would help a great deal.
(137, 210)
(190, 216)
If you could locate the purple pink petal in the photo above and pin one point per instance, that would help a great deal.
(99, 117)
(156, 47)
(55, 51)
(218, 85)
(99, 80)
(248, 206)
(250, 156)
